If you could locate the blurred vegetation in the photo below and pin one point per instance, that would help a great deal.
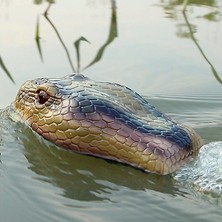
(37, 39)
(112, 34)
(216, 75)
(2, 65)
(172, 9)
(176, 10)
(38, 2)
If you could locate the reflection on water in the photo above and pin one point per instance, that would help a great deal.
(191, 34)
(85, 181)
(172, 8)
(37, 2)
(58, 35)
(82, 180)
(173, 11)
(111, 36)
(84, 177)
(187, 30)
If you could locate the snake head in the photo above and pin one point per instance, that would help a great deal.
(106, 120)
(45, 104)
(36, 99)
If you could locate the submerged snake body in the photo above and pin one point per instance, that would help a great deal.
(106, 120)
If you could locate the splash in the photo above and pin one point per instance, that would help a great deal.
(204, 173)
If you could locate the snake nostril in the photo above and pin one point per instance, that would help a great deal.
(43, 96)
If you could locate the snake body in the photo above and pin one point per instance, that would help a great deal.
(106, 120)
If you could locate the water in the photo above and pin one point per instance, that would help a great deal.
(146, 45)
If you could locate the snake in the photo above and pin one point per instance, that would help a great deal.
(106, 120)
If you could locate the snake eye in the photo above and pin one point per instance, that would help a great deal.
(42, 96)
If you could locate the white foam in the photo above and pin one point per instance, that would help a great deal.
(205, 172)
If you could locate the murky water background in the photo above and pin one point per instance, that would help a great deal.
(171, 58)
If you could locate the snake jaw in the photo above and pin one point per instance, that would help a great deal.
(105, 120)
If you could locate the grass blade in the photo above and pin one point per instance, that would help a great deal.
(6, 70)
(77, 46)
(37, 39)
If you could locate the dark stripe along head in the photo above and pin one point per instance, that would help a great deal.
(107, 120)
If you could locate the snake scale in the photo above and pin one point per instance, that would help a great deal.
(106, 120)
